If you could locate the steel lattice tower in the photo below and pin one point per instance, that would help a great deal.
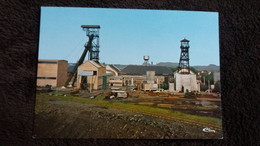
(184, 66)
(93, 30)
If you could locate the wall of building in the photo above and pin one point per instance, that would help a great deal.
(133, 80)
(62, 75)
(116, 81)
(171, 87)
(150, 77)
(149, 81)
(150, 87)
(188, 81)
(44, 82)
(52, 72)
(111, 70)
(96, 81)
(91, 80)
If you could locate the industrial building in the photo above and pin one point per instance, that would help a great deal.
(151, 82)
(116, 81)
(184, 79)
(113, 78)
(91, 75)
(113, 70)
(148, 76)
(186, 82)
(52, 72)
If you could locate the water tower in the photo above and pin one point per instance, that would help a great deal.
(146, 58)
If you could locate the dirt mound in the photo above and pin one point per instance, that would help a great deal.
(65, 119)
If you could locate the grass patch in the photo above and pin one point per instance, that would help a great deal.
(137, 108)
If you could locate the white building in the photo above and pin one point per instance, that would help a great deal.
(186, 82)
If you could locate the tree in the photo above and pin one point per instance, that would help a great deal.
(164, 86)
(208, 77)
(194, 70)
(217, 87)
(174, 69)
(203, 87)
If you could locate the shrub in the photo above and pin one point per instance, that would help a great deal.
(190, 95)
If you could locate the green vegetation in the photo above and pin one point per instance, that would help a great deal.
(194, 70)
(136, 108)
(190, 95)
(164, 86)
(208, 77)
(217, 87)
(203, 87)
(173, 69)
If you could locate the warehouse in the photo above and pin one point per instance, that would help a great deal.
(52, 72)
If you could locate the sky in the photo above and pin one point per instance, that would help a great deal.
(126, 35)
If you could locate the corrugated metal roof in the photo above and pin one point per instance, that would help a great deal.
(141, 70)
(115, 68)
(95, 63)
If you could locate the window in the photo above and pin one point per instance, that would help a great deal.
(94, 73)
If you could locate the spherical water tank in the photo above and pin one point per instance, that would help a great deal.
(146, 58)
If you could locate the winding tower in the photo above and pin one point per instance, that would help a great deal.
(184, 66)
(93, 30)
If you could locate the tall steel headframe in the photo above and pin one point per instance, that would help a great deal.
(184, 65)
(93, 30)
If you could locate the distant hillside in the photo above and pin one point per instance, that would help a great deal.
(120, 66)
(168, 64)
(210, 67)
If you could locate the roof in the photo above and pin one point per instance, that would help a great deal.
(96, 64)
(115, 68)
(141, 70)
(50, 60)
(71, 65)
(178, 71)
(90, 26)
(184, 40)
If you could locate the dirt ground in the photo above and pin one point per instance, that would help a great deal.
(66, 119)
